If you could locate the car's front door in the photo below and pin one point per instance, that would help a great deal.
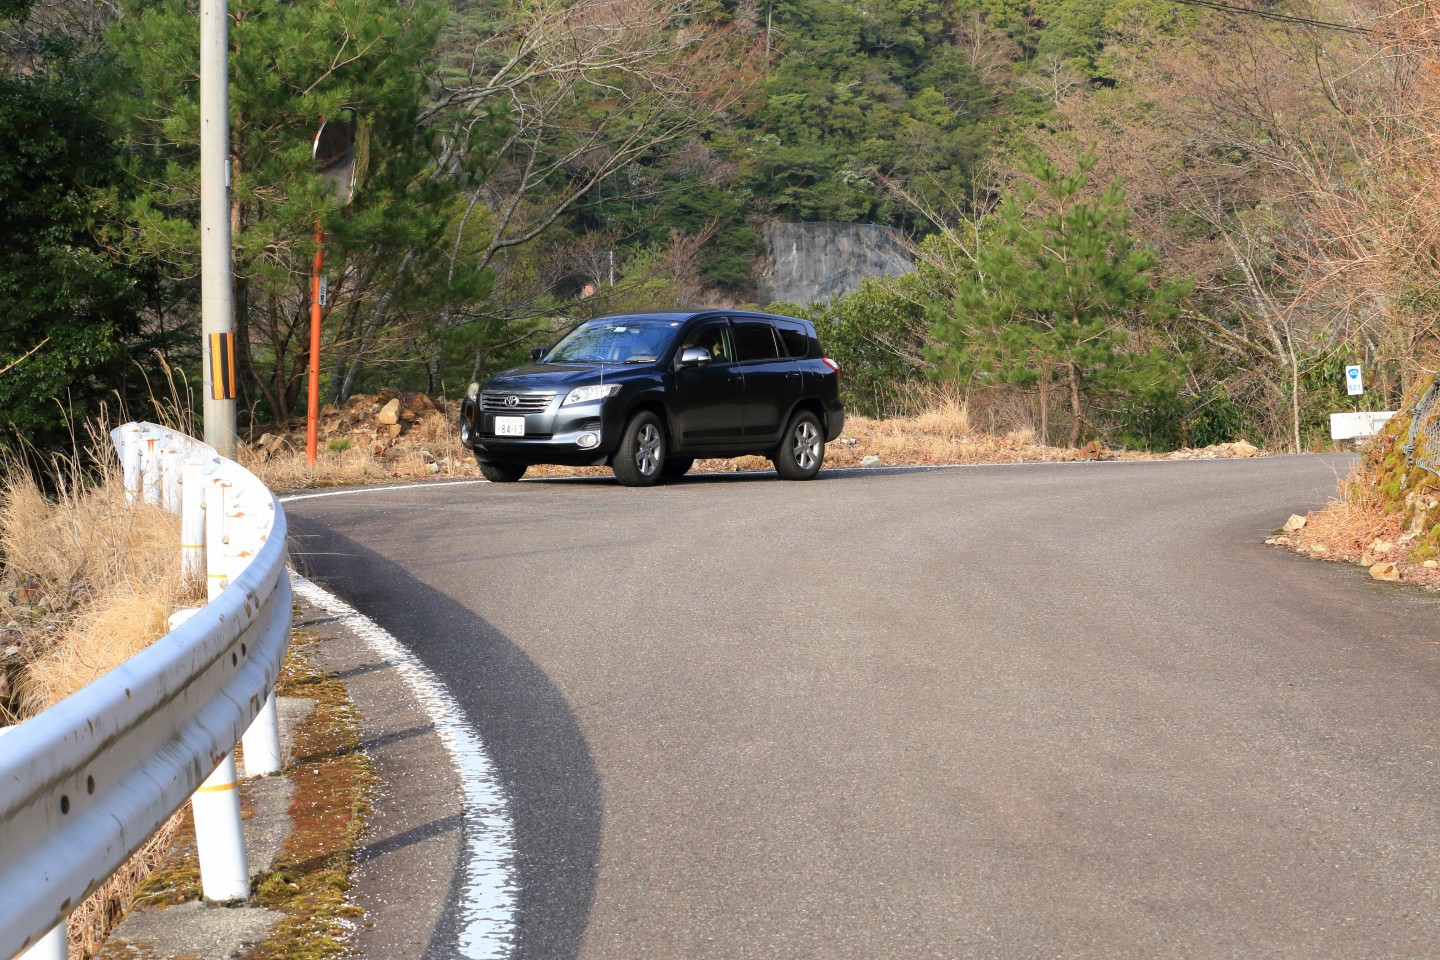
(707, 406)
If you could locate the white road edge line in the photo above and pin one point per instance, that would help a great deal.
(487, 902)
(291, 498)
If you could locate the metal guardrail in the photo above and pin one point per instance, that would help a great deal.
(85, 784)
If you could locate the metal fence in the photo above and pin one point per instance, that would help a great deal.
(1424, 432)
(85, 784)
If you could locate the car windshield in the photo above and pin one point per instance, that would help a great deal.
(615, 340)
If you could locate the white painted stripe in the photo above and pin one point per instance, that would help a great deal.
(432, 485)
(487, 901)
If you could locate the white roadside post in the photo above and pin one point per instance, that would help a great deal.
(219, 836)
(219, 833)
(192, 521)
(170, 479)
(262, 738)
(130, 462)
(217, 575)
(262, 741)
(52, 946)
(150, 470)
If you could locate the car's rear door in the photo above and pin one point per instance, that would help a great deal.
(772, 379)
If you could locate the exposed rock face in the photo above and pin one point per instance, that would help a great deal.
(815, 262)
(1400, 468)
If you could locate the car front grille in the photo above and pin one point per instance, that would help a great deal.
(523, 402)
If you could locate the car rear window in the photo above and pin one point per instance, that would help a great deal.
(794, 339)
(755, 340)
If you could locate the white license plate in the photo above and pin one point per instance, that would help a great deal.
(509, 426)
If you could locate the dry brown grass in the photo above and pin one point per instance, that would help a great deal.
(363, 453)
(86, 581)
(943, 429)
(1357, 527)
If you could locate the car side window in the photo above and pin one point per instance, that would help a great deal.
(714, 337)
(793, 339)
(755, 340)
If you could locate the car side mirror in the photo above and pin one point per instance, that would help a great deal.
(537, 354)
(695, 357)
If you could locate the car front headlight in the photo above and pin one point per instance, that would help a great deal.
(598, 391)
(472, 391)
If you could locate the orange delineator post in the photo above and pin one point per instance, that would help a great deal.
(312, 413)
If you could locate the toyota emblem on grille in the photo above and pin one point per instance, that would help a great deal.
(512, 401)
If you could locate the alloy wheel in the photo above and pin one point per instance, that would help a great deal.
(647, 450)
(805, 445)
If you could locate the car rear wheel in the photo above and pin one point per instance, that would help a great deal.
(641, 456)
(497, 472)
(803, 449)
(677, 467)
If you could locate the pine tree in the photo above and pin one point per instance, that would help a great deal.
(291, 65)
(1059, 291)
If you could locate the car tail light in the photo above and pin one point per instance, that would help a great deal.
(830, 363)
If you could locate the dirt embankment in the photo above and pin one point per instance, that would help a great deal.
(1386, 512)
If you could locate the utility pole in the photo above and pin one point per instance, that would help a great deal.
(217, 298)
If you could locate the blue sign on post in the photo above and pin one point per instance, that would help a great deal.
(1354, 383)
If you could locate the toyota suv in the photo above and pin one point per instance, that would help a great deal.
(648, 394)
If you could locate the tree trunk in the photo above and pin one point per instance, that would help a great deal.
(347, 333)
(1077, 421)
(1295, 397)
(1045, 408)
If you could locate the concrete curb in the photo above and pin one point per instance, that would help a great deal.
(411, 849)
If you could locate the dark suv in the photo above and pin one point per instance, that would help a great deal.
(647, 394)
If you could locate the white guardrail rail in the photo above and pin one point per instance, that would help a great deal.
(85, 784)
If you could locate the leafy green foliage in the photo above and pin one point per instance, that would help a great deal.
(861, 92)
(290, 65)
(71, 310)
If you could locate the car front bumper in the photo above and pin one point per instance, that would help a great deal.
(581, 434)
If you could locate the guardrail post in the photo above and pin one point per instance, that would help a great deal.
(219, 834)
(170, 479)
(149, 471)
(219, 837)
(130, 462)
(262, 741)
(217, 574)
(192, 521)
(52, 946)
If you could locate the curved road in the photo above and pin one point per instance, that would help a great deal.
(1076, 710)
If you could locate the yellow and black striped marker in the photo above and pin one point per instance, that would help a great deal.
(222, 366)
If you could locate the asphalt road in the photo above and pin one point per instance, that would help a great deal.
(1031, 712)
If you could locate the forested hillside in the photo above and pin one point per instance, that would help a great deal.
(1140, 221)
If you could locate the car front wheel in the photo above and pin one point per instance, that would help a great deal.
(501, 472)
(803, 450)
(640, 460)
(677, 467)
